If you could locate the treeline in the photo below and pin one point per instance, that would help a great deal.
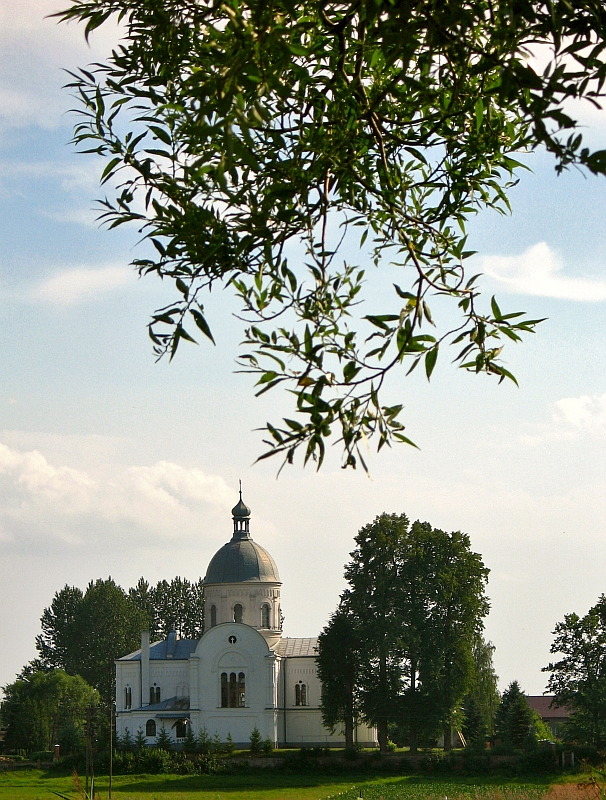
(83, 633)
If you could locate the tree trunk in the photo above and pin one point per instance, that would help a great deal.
(349, 732)
(447, 737)
(414, 739)
(382, 726)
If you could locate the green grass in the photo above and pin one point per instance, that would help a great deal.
(270, 785)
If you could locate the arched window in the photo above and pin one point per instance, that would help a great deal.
(300, 694)
(213, 616)
(150, 727)
(224, 692)
(265, 610)
(237, 613)
(241, 690)
(128, 697)
(181, 728)
(233, 690)
(154, 694)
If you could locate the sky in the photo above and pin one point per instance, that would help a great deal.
(113, 464)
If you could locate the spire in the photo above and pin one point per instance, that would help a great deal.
(241, 515)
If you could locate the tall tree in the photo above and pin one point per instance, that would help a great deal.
(55, 643)
(483, 692)
(102, 624)
(45, 709)
(251, 142)
(578, 678)
(338, 668)
(418, 596)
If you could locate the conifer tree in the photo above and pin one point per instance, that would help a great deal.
(229, 744)
(189, 743)
(140, 741)
(163, 740)
(256, 742)
(203, 741)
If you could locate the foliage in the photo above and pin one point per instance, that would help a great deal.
(483, 693)
(83, 633)
(338, 669)
(256, 145)
(516, 723)
(268, 747)
(140, 741)
(217, 744)
(417, 594)
(163, 740)
(46, 708)
(578, 679)
(203, 741)
(189, 743)
(474, 727)
(229, 745)
(256, 742)
(178, 606)
(126, 742)
(156, 762)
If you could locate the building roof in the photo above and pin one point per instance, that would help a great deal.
(242, 560)
(542, 704)
(181, 650)
(297, 648)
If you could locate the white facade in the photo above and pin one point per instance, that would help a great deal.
(240, 674)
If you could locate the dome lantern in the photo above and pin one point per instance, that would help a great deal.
(241, 515)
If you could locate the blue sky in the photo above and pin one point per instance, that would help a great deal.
(111, 464)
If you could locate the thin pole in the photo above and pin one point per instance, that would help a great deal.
(111, 746)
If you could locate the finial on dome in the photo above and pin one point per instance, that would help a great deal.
(241, 515)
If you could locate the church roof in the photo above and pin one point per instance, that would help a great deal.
(182, 649)
(240, 560)
(297, 648)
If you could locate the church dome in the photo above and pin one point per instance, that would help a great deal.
(241, 560)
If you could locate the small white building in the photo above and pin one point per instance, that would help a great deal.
(242, 673)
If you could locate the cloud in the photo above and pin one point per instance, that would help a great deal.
(537, 272)
(35, 49)
(74, 285)
(44, 502)
(572, 418)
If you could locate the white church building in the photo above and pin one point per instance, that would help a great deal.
(242, 673)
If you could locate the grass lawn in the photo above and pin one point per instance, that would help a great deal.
(272, 785)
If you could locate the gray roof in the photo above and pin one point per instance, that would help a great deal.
(182, 649)
(242, 560)
(171, 704)
(297, 648)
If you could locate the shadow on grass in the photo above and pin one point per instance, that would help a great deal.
(250, 782)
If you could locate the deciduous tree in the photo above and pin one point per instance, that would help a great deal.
(338, 668)
(256, 145)
(45, 709)
(578, 678)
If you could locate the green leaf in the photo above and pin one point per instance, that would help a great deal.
(430, 360)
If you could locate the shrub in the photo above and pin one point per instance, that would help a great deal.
(229, 745)
(163, 740)
(203, 742)
(268, 747)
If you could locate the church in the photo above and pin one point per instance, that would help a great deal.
(240, 674)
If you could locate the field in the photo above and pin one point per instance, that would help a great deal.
(266, 785)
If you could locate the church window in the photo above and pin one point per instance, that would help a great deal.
(224, 692)
(128, 697)
(213, 616)
(241, 690)
(237, 613)
(154, 694)
(265, 615)
(233, 690)
(181, 728)
(300, 694)
(150, 727)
